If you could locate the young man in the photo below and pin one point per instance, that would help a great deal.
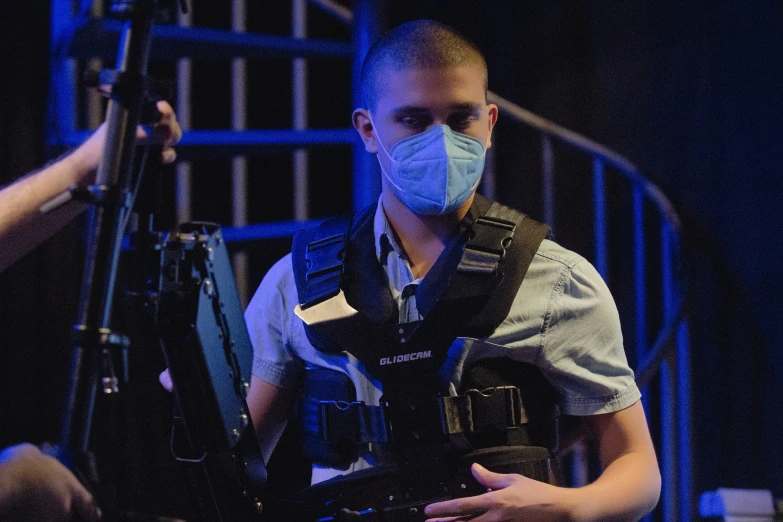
(427, 120)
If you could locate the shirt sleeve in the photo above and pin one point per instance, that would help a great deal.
(582, 350)
(268, 318)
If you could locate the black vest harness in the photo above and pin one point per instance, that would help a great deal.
(467, 293)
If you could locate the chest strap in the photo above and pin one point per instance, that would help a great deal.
(339, 422)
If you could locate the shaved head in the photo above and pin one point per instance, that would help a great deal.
(423, 44)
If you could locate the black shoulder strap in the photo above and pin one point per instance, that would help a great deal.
(468, 292)
(519, 253)
(499, 246)
(317, 259)
(340, 253)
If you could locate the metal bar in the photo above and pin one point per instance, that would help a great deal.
(662, 349)
(684, 400)
(260, 231)
(170, 42)
(183, 168)
(640, 271)
(611, 158)
(488, 180)
(640, 284)
(273, 138)
(548, 175)
(247, 139)
(255, 232)
(572, 138)
(105, 232)
(685, 438)
(669, 302)
(599, 209)
(94, 106)
(640, 294)
(673, 300)
(213, 144)
(335, 10)
(61, 113)
(366, 172)
(239, 163)
(301, 157)
(668, 393)
(668, 443)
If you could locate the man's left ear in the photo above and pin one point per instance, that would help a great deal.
(493, 118)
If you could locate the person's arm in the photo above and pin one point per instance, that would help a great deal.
(269, 407)
(34, 487)
(23, 226)
(627, 489)
(276, 369)
(630, 484)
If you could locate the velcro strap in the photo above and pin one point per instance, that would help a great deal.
(324, 268)
(486, 247)
(353, 422)
(499, 408)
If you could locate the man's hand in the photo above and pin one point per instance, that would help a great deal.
(35, 487)
(166, 132)
(512, 498)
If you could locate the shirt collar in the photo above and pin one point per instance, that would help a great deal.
(384, 235)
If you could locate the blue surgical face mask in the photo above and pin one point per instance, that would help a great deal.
(436, 171)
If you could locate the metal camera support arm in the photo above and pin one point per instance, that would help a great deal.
(192, 296)
(111, 199)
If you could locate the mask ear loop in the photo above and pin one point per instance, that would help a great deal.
(378, 137)
(391, 160)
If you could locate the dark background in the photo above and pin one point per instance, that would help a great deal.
(690, 92)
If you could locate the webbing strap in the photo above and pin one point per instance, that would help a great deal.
(324, 258)
(356, 421)
(338, 421)
(486, 247)
(497, 408)
(478, 273)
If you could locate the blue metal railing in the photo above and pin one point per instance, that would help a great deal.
(669, 353)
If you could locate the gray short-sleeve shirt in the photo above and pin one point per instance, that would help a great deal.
(563, 320)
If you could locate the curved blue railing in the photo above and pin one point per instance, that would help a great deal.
(668, 356)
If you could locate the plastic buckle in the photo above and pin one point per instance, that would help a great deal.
(501, 408)
(491, 235)
(324, 269)
(338, 421)
(486, 248)
(323, 256)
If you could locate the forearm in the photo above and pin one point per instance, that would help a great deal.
(22, 226)
(627, 490)
(269, 407)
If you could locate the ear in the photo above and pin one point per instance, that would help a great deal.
(493, 118)
(363, 125)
